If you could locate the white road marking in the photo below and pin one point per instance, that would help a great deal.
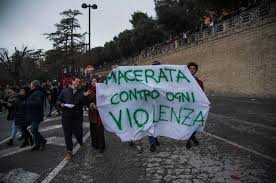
(50, 140)
(242, 147)
(51, 119)
(53, 174)
(85, 124)
(15, 150)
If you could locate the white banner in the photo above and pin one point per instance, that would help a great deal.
(156, 100)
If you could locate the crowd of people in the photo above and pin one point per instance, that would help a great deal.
(26, 105)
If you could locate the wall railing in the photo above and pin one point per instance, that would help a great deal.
(242, 21)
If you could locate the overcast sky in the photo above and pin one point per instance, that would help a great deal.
(23, 22)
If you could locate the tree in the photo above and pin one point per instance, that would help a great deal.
(13, 64)
(22, 65)
(146, 31)
(66, 38)
(177, 16)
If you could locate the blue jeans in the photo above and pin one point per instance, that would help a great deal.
(38, 139)
(13, 132)
(152, 140)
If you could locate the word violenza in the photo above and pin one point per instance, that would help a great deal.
(161, 113)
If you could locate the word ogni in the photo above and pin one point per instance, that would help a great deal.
(134, 95)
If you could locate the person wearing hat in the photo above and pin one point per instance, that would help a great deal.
(35, 114)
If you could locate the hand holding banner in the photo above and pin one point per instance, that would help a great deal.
(160, 100)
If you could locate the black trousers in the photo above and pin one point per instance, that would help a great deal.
(72, 127)
(26, 134)
(51, 108)
(193, 135)
(97, 136)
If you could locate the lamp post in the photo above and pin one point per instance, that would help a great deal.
(93, 6)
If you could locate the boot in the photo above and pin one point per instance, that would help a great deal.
(188, 144)
(69, 155)
(42, 144)
(157, 142)
(35, 148)
(10, 143)
(152, 148)
(195, 141)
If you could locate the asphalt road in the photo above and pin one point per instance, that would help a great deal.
(238, 146)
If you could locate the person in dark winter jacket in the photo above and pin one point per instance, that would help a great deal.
(20, 117)
(35, 113)
(71, 101)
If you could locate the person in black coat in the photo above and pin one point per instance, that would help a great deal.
(71, 100)
(35, 114)
(20, 117)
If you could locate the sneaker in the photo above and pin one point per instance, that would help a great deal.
(69, 155)
(10, 143)
(152, 148)
(195, 141)
(35, 148)
(188, 144)
(42, 145)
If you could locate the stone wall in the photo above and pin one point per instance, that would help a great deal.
(239, 64)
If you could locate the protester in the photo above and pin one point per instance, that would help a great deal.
(20, 117)
(193, 67)
(1, 98)
(72, 100)
(153, 140)
(35, 113)
(96, 126)
(10, 105)
(52, 97)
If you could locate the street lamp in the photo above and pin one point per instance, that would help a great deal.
(94, 6)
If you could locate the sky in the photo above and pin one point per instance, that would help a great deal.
(23, 22)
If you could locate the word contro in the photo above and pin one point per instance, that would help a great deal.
(134, 95)
(140, 117)
(146, 75)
